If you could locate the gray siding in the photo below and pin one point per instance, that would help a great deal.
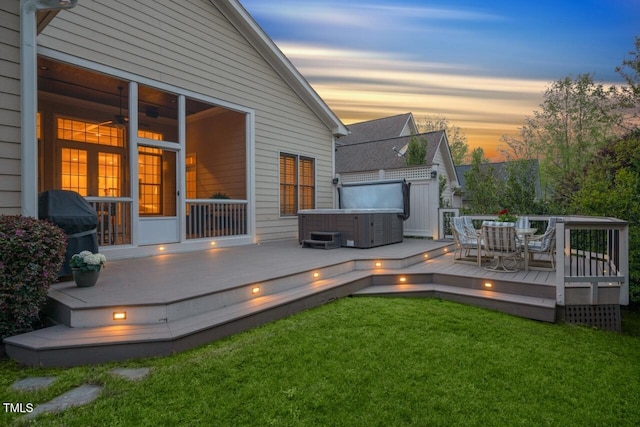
(9, 107)
(191, 45)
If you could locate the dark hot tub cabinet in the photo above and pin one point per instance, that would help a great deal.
(371, 214)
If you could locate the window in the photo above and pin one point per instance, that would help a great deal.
(91, 157)
(297, 184)
(150, 180)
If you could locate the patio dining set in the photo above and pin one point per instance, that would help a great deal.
(504, 246)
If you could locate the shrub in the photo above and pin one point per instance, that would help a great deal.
(31, 254)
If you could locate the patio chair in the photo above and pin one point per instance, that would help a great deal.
(544, 244)
(465, 241)
(522, 222)
(501, 241)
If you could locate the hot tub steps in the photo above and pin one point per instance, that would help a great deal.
(323, 239)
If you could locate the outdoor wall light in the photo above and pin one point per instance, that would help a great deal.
(54, 4)
(434, 174)
(119, 315)
(378, 264)
(255, 290)
(488, 285)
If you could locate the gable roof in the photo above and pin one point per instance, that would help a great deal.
(377, 129)
(256, 36)
(376, 155)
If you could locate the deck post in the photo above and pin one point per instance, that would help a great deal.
(560, 264)
(624, 264)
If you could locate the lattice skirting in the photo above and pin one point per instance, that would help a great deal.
(606, 316)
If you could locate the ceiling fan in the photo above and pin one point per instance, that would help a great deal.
(119, 120)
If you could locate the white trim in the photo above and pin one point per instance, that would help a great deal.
(133, 160)
(250, 128)
(28, 108)
(315, 181)
(181, 171)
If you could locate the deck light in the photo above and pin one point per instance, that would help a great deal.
(316, 275)
(161, 248)
(119, 315)
(378, 264)
(213, 243)
(426, 256)
(255, 290)
(403, 279)
(488, 285)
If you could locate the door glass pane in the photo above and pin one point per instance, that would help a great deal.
(73, 170)
(109, 174)
(157, 181)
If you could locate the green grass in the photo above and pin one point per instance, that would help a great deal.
(371, 362)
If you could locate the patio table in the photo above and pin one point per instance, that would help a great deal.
(526, 233)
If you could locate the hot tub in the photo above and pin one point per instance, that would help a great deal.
(370, 215)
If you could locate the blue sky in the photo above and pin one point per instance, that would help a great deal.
(481, 64)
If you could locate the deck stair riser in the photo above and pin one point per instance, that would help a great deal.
(64, 346)
(531, 307)
(79, 317)
(164, 327)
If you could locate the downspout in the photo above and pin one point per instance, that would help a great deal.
(29, 98)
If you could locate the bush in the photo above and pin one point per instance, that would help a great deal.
(31, 254)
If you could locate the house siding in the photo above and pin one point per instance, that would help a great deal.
(192, 46)
(10, 167)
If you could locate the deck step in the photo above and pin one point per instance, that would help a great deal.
(323, 239)
(536, 308)
(62, 345)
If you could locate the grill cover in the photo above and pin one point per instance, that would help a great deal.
(71, 212)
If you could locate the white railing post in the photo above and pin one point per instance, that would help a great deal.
(560, 265)
(623, 250)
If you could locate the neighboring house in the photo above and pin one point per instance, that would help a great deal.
(378, 129)
(151, 108)
(384, 158)
(500, 173)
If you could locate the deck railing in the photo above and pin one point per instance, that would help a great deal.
(590, 251)
(114, 219)
(595, 251)
(216, 217)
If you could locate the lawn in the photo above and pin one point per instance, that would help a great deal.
(371, 362)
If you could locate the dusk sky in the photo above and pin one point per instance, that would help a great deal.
(481, 64)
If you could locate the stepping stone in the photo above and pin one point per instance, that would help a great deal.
(75, 397)
(130, 374)
(32, 383)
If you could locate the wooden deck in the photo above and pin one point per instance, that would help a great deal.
(178, 301)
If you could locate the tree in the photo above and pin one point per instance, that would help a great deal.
(630, 71)
(612, 188)
(519, 192)
(577, 117)
(482, 189)
(455, 135)
(416, 153)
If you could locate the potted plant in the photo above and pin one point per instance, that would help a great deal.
(86, 267)
(505, 216)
